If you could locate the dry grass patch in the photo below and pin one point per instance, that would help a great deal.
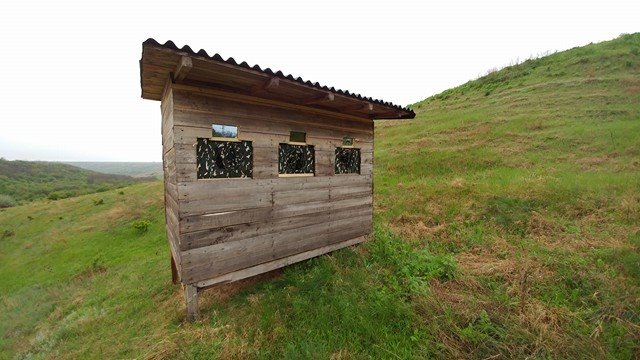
(416, 226)
(220, 294)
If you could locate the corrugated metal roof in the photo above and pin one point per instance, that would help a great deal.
(231, 61)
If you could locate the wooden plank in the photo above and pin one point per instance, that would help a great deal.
(233, 199)
(245, 253)
(266, 225)
(174, 247)
(342, 192)
(171, 217)
(252, 100)
(311, 207)
(218, 252)
(217, 259)
(188, 135)
(262, 123)
(171, 189)
(211, 188)
(272, 265)
(249, 230)
(222, 219)
(196, 101)
(297, 196)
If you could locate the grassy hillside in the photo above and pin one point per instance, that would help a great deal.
(24, 181)
(507, 225)
(530, 177)
(135, 169)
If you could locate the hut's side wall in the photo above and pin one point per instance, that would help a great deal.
(227, 225)
(170, 178)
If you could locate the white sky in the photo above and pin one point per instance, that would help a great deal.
(70, 88)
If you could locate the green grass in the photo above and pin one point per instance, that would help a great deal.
(507, 225)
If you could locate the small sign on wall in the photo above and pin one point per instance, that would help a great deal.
(224, 131)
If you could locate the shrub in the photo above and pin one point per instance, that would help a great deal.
(98, 202)
(6, 201)
(57, 195)
(413, 268)
(141, 225)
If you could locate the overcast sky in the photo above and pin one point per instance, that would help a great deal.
(70, 88)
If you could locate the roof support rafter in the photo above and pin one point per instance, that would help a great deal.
(366, 107)
(319, 99)
(182, 69)
(392, 115)
(269, 85)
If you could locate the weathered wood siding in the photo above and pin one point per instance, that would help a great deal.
(219, 226)
(170, 178)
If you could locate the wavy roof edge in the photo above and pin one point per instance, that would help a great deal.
(169, 44)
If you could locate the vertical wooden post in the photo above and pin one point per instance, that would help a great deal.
(191, 299)
(174, 270)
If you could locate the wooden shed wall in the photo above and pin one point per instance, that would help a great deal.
(219, 226)
(170, 178)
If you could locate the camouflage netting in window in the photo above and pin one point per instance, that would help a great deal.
(296, 159)
(347, 161)
(224, 159)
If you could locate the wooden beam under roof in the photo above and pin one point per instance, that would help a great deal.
(319, 99)
(390, 115)
(271, 84)
(182, 69)
(366, 107)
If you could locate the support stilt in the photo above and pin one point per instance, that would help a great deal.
(191, 299)
(174, 271)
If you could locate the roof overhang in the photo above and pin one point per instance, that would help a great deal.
(161, 62)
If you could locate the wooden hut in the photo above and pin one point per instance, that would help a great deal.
(261, 169)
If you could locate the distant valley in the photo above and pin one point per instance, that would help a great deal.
(25, 181)
(133, 169)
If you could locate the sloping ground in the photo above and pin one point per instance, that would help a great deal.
(23, 181)
(89, 277)
(507, 226)
(531, 177)
(134, 169)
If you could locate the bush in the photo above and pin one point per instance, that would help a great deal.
(413, 268)
(6, 201)
(57, 195)
(141, 225)
(7, 233)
